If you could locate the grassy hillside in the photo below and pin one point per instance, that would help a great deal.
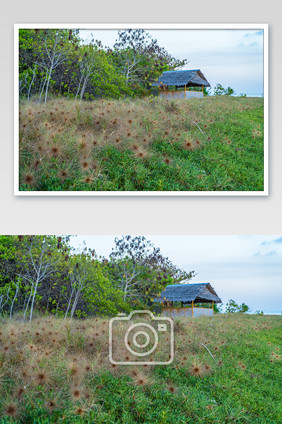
(209, 144)
(56, 371)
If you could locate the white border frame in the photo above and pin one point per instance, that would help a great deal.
(263, 27)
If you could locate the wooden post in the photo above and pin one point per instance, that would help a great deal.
(192, 308)
(212, 307)
(185, 91)
(203, 89)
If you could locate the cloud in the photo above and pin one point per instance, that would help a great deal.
(271, 253)
(275, 241)
(253, 44)
(252, 34)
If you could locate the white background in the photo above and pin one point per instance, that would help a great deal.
(166, 215)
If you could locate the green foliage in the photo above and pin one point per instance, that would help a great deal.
(140, 271)
(207, 91)
(217, 307)
(58, 61)
(140, 59)
(27, 263)
(219, 90)
(44, 274)
(232, 306)
(244, 308)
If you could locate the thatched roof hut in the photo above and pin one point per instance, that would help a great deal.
(188, 294)
(184, 84)
(191, 78)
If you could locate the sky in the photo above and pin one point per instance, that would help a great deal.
(243, 268)
(232, 57)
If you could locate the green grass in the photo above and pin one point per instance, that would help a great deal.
(141, 145)
(240, 385)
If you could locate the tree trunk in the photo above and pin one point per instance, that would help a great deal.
(48, 82)
(66, 314)
(33, 297)
(27, 305)
(13, 301)
(75, 303)
(30, 85)
(43, 87)
(84, 86)
(78, 88)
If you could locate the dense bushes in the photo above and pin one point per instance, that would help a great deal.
(44, 273)
(60, 62)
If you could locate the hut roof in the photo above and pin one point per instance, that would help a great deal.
(193, 77)
(201, 292)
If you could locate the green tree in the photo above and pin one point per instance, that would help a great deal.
(90, 290)
(243, 308)
(232, 306)
(41, 53)
(140, 270)
(27, 262)
(140, 59)
(219, 90)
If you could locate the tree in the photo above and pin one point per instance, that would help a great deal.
(140, 59)
(243, 308)
(219, 90)
(53, 53)
(58, 61)
(217, 308)
(140, 270)
(28, 262)
(229, 91)
(232, 306)
(41, 53)
(89, 62)
(89, 288)
(45, 274)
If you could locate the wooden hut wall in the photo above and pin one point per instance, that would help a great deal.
(181, 94)
(187, 312)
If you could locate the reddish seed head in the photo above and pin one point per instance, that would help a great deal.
(79, 411)
(76, 393)
(28, 179)
(11, 410)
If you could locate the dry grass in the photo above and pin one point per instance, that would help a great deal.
(68, 145)
(61, 362)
